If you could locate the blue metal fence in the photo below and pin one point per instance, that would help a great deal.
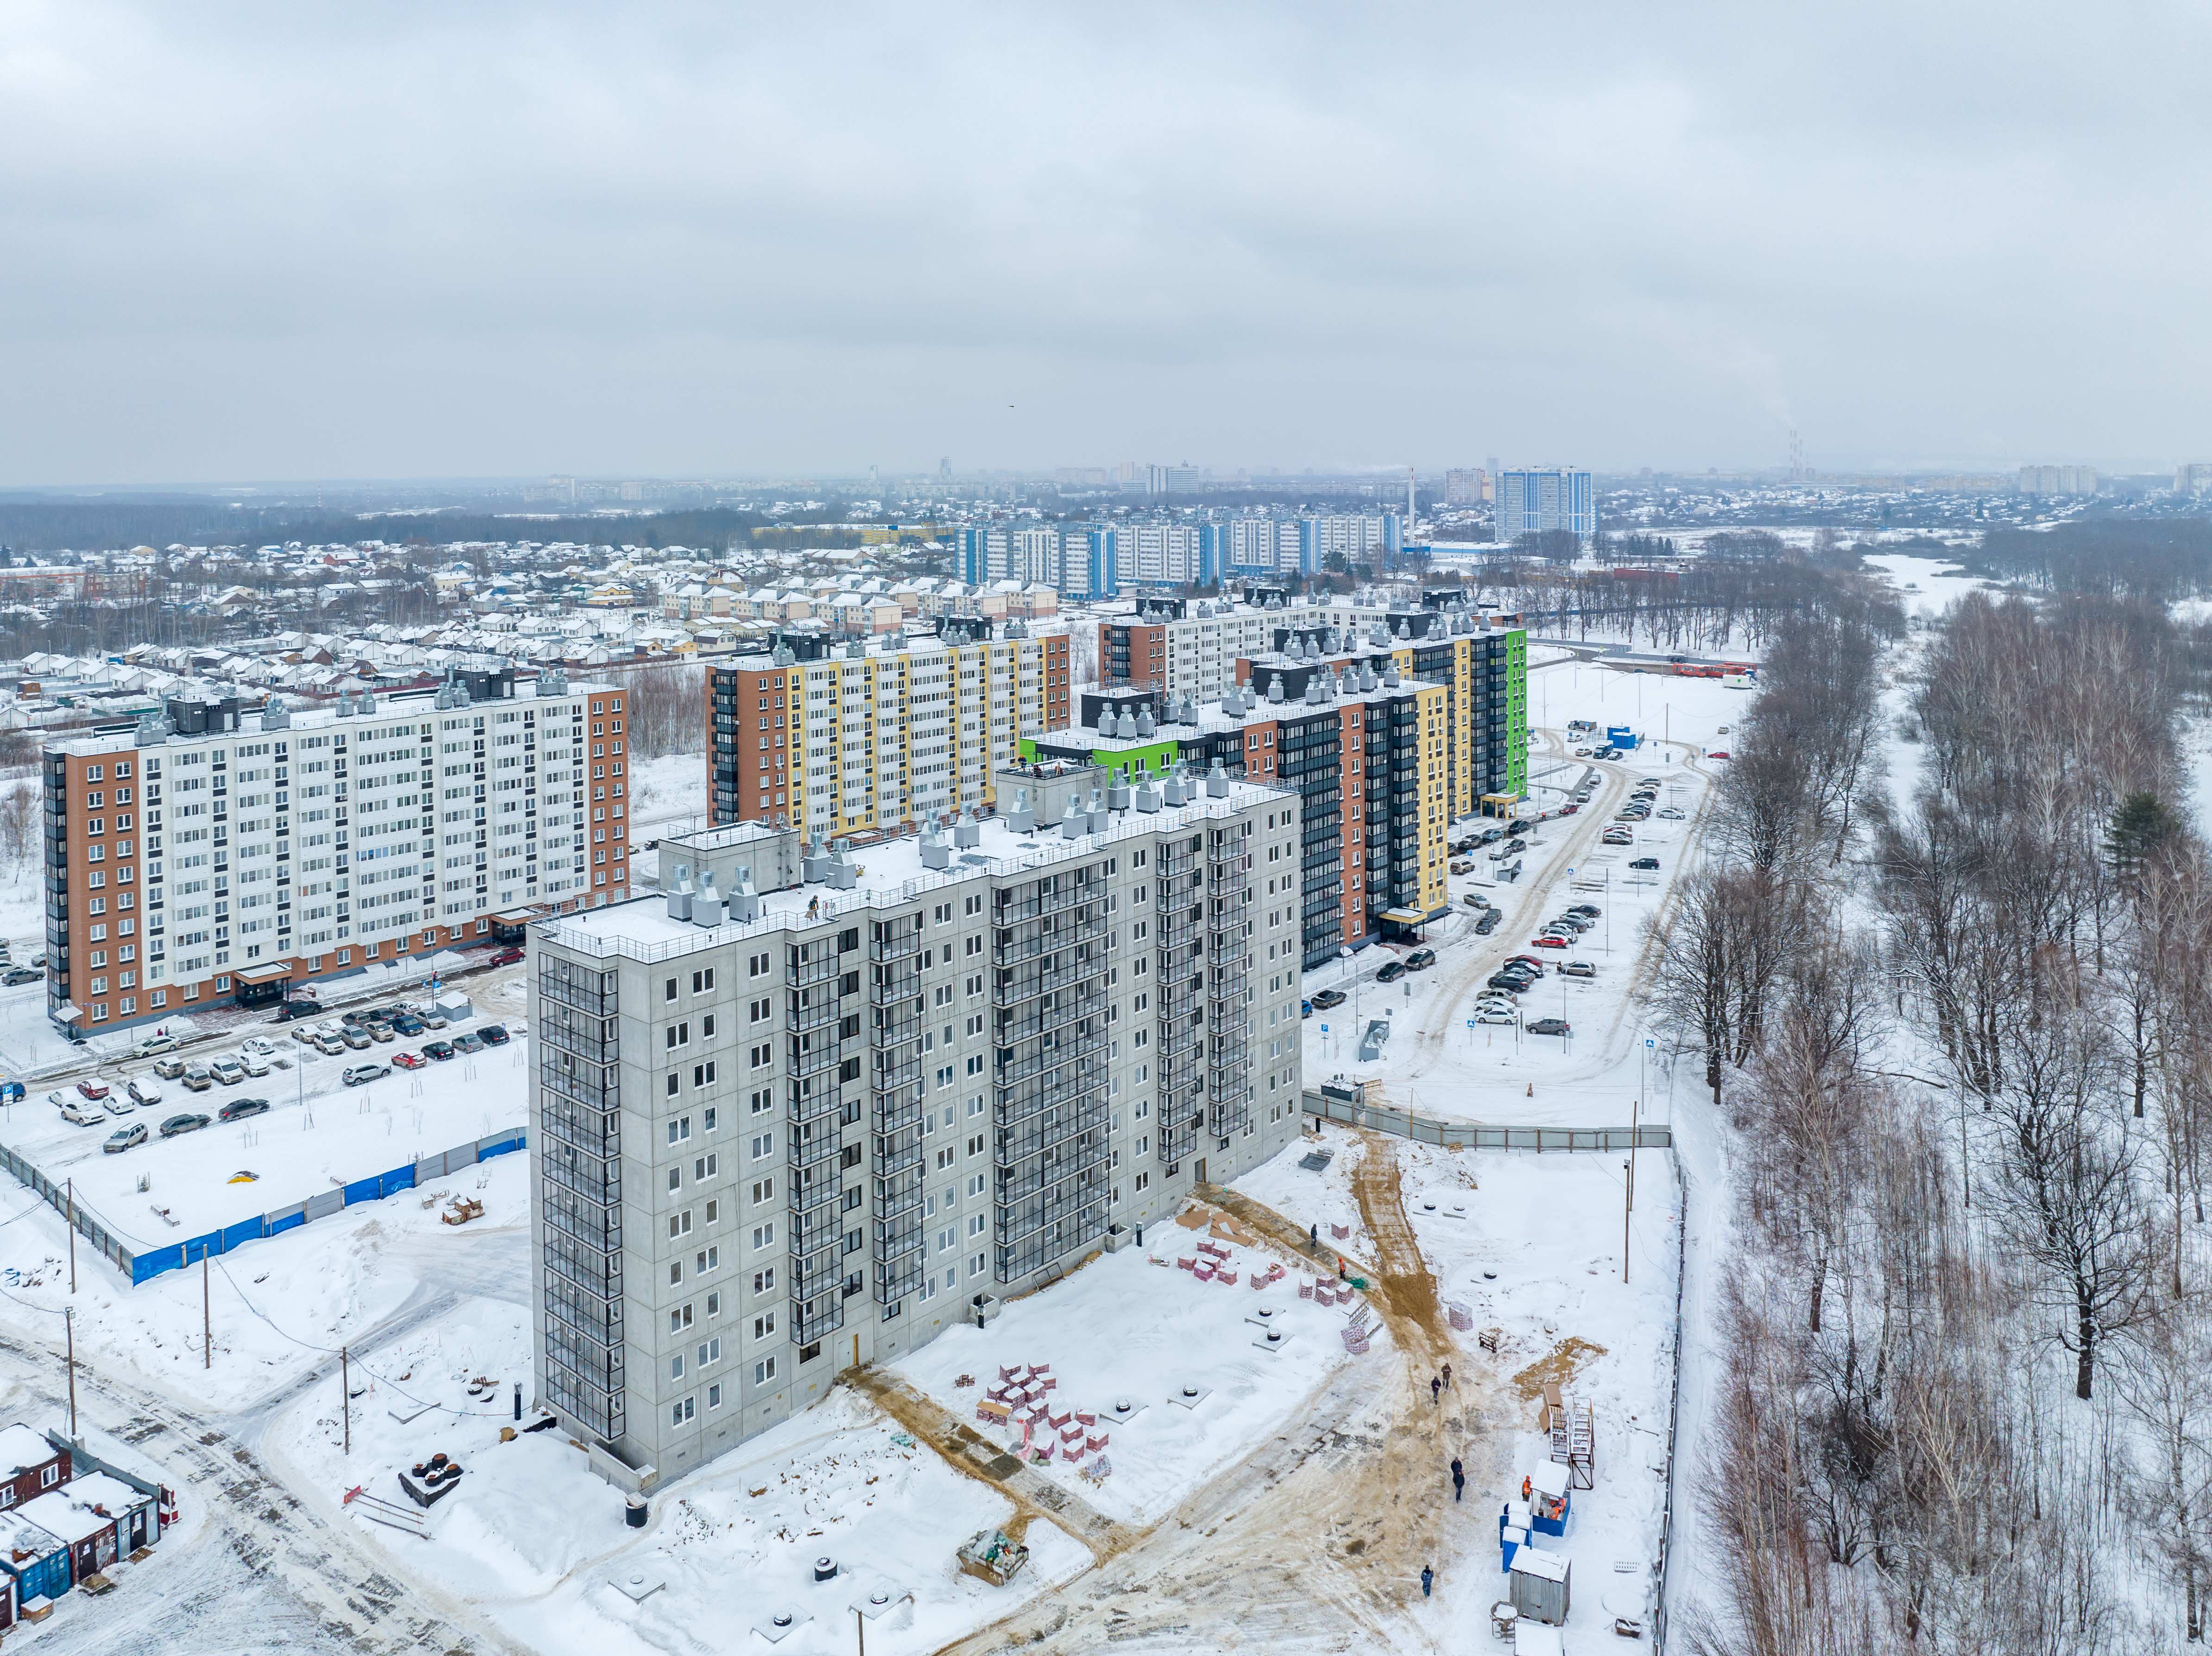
(142, 1265)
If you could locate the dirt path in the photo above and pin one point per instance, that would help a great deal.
(971, 1453)
(1315, 1541)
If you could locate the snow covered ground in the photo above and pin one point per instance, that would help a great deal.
(1124, 1328)
(536, 1540)
(1532, 1246)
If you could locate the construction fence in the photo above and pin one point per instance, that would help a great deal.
(1470, 1136)
(139, 1265)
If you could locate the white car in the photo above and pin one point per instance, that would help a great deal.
(227, 1071)
(144, 1092)
(118, 1104)
(1670, 815)
(84, 1114)
(260, 1048)
(252, 1063)
(1493, 1016)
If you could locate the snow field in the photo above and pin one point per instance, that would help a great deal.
(1322, 1199)
(1125, 1327)
(1550, 1229)
(536, 1539)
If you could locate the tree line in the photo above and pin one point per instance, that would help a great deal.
(1957, 1023)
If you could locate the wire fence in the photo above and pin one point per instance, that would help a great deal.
(1472, 1136)
(141, 1264)
(1673, 1400)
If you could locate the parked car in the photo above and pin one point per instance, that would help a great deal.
(197, 1079)
(1577, 969)
(90, 1088)
(143, 1093)
(1551, 942)
(468, 1041)
(432, 1018)
(1391, 972)
(1645, 863)
(124, 1138)
(181, 1123)
(1570, 809)
(330, 1045)
(407, 1024)
(1474, 900)
(152, 1044)
(1529, 961)
(1548, 1027)
(1420, 960)
(408, 1060)
(1487, 924)
(381, 1032)
(1670, 815)
(1326, 998)
(227, 1071)
(440, 1049)
(1463, 865)
(1617, 836)
(1588, 911)
(119, 1104)
(169, 1068)
(360, 1074)
(355, 1036)
(253, 1064)
(493, 1035)
(259, 1045)
(293, 1010)
(1492, 1014)
(507, 957)
(1722, 754)
(307, 1036)
(81, 1113)
(238, 1108)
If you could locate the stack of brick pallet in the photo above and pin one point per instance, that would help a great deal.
(1043, 1428)
(1356, 1332)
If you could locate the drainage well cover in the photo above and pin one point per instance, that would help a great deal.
(638, 1588)
(1273, 1340)
(1190, 1397)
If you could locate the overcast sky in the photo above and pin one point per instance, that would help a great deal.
(277, 240)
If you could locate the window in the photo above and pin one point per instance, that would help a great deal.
(764, 1324)
(702, 1075)
(676, 1179)
(763, 1190)
(764, 1235)
(764, 1371)
(702, 981)
(709, 1259)
(676, 1367)
(713, 1397)
(679, 1129)
(670, 992)
(679, 1319)
(705, 1166)
(682, 1413)
(764, 1281)
(679, 1224)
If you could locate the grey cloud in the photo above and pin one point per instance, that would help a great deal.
(251, 239)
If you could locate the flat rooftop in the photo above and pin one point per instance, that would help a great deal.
(393, 704)
(889, 874)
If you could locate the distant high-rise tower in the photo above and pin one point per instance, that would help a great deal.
(1797, 457)
(944, 470)
(1538, 498)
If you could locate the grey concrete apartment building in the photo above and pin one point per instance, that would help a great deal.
(812, 1106)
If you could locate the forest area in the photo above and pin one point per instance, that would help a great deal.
(1958, 1023)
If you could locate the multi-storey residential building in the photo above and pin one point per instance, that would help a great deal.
(812, 1109)
(1364, 748)
(1536, 499)
(1196, 652)
(1465, 485)
(864, 739)
(2059, 480)
(215, 850)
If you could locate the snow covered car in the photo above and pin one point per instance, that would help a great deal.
(143, 1092)
(182, 1123)
(82, 1114)
(91, 1089)
(124, 1138)
(409, 1060)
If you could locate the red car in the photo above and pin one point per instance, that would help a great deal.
(95, 1090)
(408, 1060)
(1527, 959)
(506, 957)
(1551, 942)
(1568, 810)
(1723, 755)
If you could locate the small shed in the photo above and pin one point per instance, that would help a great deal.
(1540, 1586)
(134, 1514)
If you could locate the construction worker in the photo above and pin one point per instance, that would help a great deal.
(1459, 1478)
(1528, 1489)
(1428, 1579)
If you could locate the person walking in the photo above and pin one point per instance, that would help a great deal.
(1459, 1481)
(1428, 1579)
(1436, 1389)
(1447, 1374)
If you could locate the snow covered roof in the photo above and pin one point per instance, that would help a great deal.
(23, 1448)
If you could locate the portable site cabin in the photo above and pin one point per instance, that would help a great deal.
(1540, 1585)
(134, 1514)
(36, 1563)
(89, 1536)
(1513, 1525)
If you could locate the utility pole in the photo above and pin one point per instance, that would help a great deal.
(345, 1396)
(72, 1234)
(69, 1334)
(1629, 1167)
(207, 1317)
